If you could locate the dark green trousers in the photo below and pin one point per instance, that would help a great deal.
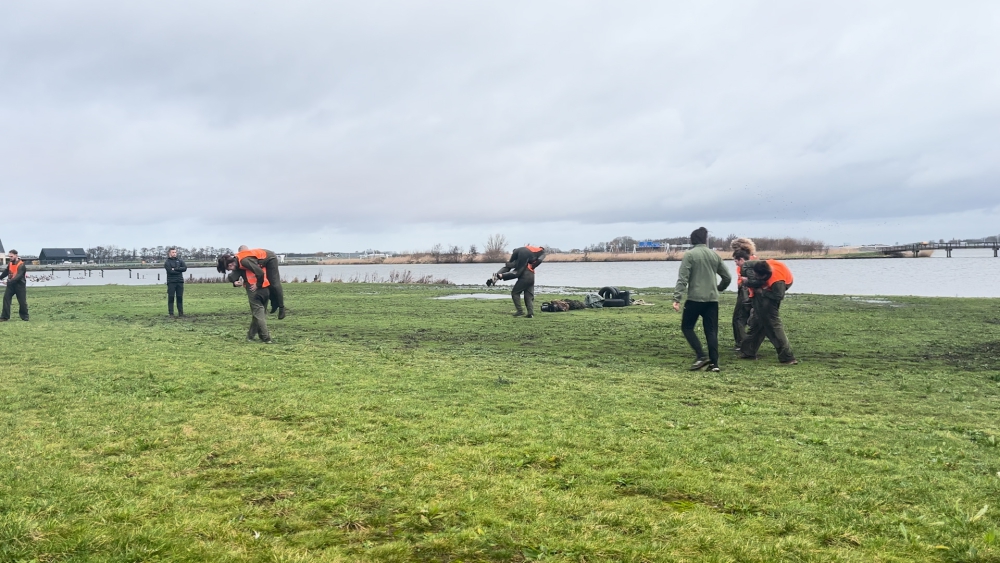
(274, 278)
(741, 316)
(766, 323)
(15, 289)
(526, 285)
(258, 311)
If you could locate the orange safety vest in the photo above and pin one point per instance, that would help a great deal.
(252, 278)
(533, 249)
(12, 268)
(779, 272)
(258, 253)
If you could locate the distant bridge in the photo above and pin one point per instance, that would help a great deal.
(917, 247)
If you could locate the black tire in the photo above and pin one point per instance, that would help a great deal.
(614, 303)
(608, 292)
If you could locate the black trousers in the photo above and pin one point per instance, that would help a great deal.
(20, 290)
(709, 313)
(175, 289)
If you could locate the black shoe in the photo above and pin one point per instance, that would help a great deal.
(519, 314)
(791, 362)
(4, 320)
(281, 313)
(273, 309)
(736, 348)
(249, 339)
(529, 316)
(743, 356)
(700, 364)
(713, 368)
(268, 341)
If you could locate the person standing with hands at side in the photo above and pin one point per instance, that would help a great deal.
(16, 285)
(697, 274)
(175, 282)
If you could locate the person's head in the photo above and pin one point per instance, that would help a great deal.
(242, 248)
(226, 262)
(699, 236)
(762, 269)
(172, 253)
(12, 255)
(740, 256)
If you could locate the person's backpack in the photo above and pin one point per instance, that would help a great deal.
(593, 301)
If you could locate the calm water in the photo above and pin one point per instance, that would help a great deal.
(969, 273)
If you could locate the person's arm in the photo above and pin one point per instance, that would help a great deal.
(538, 259)
(182, 267)
(5, 273)
(682, 278)
(753, 280)
(723, 272)
(166, 266)
(235, 276)
(776, 292)
(250, 263)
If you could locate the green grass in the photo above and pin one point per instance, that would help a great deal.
(387, 426)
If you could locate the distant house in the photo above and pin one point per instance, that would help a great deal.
(62, 255)
(3, 261)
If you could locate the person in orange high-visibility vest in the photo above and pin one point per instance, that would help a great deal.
(521, 266)
(743, 251)
(257, 260)
(16, 286)
(258, 292)
(767, 280)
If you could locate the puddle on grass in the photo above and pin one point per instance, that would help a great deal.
(475, 296)
(873, 301)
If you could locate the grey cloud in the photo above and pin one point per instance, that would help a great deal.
(303, 115)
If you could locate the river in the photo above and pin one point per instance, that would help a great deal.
(969, 273)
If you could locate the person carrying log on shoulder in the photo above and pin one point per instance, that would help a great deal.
(521, 266)
(767, 281)
(259, 260)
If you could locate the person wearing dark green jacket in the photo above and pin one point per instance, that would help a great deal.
(175, 268)
(16, 286)
(697, 274)
(768, 288)
(521, 266)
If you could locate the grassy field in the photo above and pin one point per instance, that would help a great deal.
(387, 426)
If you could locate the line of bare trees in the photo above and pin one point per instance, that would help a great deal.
(112, 253)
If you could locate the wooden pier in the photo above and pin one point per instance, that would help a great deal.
(917, 247)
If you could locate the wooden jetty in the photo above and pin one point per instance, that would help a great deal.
(917, 247)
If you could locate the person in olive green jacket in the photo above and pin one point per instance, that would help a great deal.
(699, 268)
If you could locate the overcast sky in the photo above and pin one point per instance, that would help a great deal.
(305, 126)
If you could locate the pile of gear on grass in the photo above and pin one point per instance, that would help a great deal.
(605, 297)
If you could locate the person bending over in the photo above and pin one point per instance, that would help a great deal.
(767, 280)
(521, 266)
(16, 286)
(258, 260)
(698, 270)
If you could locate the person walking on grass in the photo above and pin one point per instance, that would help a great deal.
(259, 260)
(258, 293)
(16, 286)
(175, 282)
(521, 266)
(699, 267)
(743, 249)
(767, 280)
